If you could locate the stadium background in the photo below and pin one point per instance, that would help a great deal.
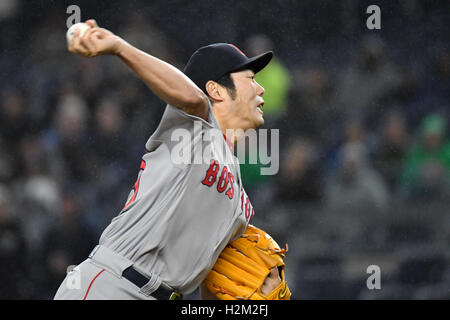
(364, 150)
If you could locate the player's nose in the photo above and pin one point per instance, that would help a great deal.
(260, 90)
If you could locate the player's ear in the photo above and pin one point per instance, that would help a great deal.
(215, 91)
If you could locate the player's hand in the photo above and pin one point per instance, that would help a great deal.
(96, 41)
(272, 281)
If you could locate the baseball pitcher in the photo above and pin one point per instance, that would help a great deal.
(181, 218)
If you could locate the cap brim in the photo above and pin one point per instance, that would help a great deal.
(256, 63)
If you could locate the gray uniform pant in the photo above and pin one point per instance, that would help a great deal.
(100, 278)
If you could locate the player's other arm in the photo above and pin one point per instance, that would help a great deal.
(165, 80)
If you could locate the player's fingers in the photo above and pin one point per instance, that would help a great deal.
(88, 32)
(88, 47)
(79, 46)
(271, 282)
(87, 41)
(100, 33)
(92, 23)
(91, 45)
(97, 34)
(92, 34)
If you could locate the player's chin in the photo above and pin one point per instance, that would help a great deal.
(260, 123)
(258, 120)
(255, 121)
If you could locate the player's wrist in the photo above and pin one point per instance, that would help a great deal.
(119, 47)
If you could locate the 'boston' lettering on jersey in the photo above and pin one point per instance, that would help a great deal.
(246, 205)
(226, 179)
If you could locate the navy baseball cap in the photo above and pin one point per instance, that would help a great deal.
(213, 61)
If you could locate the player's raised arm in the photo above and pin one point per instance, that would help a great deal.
(165, 80)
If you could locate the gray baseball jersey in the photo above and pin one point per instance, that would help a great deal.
(186, 205)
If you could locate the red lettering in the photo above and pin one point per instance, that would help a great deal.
(136, 185)
(247, 209)
(223, 181)
(230, 191)
(226, 179)
(246, 206)
(211, 174)
(242, 199)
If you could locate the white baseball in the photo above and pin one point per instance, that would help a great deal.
(80, 26)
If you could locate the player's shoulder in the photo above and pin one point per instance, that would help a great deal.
(179, 116)
(176, 124)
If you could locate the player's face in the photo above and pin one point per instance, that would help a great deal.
(248, 103)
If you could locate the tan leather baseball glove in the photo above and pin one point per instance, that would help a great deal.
(244, 264)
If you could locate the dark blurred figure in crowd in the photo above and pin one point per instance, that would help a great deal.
(300, 179)
(67, 243)
(68, 137)
(109, 138)
(8, 163)
(391, 149)
(356, 185)
(141, 112)
(309, 112)
(354, 198)
(142, 33)
(370, 85)
(426, 170)
(14, 122)
(441, 68)
(38, 192)
(436, 93)
(13, 250)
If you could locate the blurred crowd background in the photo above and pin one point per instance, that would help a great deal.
(362, 114)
